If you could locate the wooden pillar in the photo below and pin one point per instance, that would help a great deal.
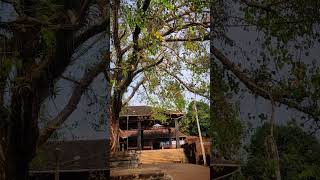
(139, 135)
(170, 140)
(127, 131)
(177, 135)
(57, 169)
(142, 137)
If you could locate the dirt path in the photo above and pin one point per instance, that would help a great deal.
(184, 171)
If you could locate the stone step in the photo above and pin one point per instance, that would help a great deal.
(139, 174)
(161, 156)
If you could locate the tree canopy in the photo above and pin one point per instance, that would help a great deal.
(299, 153)
(189, 124)
(155, 44)
(278, 56)
(37, 45)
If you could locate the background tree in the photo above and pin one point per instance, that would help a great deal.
(189, 124)
(36, 48)
(226, 127)
(298, 153)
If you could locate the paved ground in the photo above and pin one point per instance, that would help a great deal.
(181, 171)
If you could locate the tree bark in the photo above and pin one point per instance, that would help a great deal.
(75, 98)
(114, 133)
(121, 82)
(3, 123)
(22, 134)
(274, 153)
(114, 114)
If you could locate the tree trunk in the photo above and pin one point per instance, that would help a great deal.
(19, 134)
(114, 114)
(22, 134)
(17, 164)
(3, 124)
(2, 160)
(114, 135)
(272, 142)
(114, 129)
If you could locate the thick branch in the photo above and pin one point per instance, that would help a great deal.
(115, 30)
(83, 12)
(134, 90)
(266, 8)
(135, 58)
(187, 12)
(70, 79)
(148, 67)
(185, 26)
(92, 31)
(55, 123)
(170, 31)
(52, 67)
(262, 91)
(31, 22)
(256, 5)
(124, 50)
(188, 87)
(205, 38)
(135, 35)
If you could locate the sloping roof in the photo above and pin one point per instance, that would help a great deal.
(142, 111)
(136, 111)
(152, 133)
(74, 155)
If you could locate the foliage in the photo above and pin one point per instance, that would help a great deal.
(157, 46)
(273, 18)
(48, 38)
(298, 151)
(226, 128)
(159, 113)
(166, 35)
(40, 160)
(37, 46)
(189, 124)
(274, 55)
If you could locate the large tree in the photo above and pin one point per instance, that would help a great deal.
(269, 57)
(36, 48)
(155, 43)
(284, 34)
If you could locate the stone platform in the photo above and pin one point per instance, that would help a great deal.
(139, 174)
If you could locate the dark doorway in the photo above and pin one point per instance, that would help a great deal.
(156, 145)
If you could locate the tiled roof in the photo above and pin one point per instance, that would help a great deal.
(74, 155)
(142, 111)
(152, 133)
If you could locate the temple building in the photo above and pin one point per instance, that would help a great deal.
(141, 130)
